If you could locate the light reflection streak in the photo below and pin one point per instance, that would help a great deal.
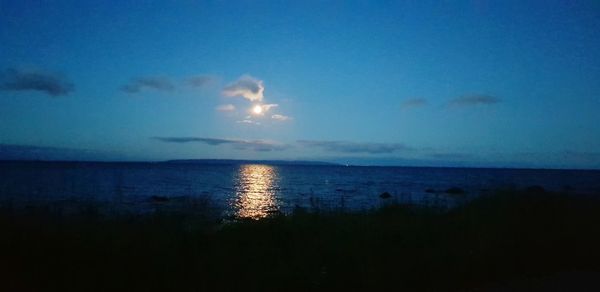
(255, 191)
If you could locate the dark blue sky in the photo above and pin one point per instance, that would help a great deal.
(477, 83)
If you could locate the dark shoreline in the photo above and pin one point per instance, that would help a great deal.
(507, 237)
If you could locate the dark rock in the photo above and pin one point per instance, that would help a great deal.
(159, 199)
(385, 195)
(455, 191)
(430, 191)
(535, 189)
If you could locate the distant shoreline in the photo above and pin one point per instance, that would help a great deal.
(278, 162)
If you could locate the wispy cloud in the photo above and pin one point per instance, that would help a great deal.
(354, 147)
(247, 87)
(226, 108)
(472, 100)
(281, 118)
(413, 103)
(200, 81)
(269, 106)
(52, 84)
(254, 145)
(248, 121)
(151, 82)
(209, 141)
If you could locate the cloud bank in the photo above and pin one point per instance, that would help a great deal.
(151, 82)
(30, 152)
(472, 100)
(25, 80)
(354, 147)
(255, 145)
(247, 87)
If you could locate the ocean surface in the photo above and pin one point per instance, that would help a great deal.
(258, 190)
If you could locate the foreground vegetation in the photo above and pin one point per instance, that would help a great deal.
(509, 237)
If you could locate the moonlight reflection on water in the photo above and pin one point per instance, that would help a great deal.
(255, 191)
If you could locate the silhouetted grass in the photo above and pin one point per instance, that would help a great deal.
(509, 236)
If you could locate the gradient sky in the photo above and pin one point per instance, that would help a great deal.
(475, 83)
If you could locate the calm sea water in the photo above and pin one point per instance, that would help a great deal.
(257, 190)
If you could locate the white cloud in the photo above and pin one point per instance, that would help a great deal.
(247, 87)
(226, 108)
(281, 118)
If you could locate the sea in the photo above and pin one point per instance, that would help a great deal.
(258, 190)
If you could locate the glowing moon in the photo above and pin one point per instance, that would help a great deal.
(257, 109)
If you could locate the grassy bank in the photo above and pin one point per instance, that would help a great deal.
(509, 236)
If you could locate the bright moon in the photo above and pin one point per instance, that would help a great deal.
(257, 109)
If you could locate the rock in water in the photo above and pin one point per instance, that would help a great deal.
(385, 195)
